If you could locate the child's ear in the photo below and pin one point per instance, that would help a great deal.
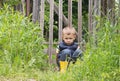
(75, 36)
(62, 36)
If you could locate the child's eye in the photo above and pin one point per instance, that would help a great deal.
(70, 38)
(66, 38)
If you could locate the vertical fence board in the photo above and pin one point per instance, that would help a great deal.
(97, 10)
(90, 17)
(42, 16)
(79, 21)
(111, 11)
(23, 6)
(95, 21)
(35, 16)
(27, 7)
(119, 8)
(119, 16)
(70, 13)
(51, 20)
(60, 19)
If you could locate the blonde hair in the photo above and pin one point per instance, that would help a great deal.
(69, 30)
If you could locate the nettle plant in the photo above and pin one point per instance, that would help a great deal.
(21, 43)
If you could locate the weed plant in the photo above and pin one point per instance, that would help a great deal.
(21, 53)
(101, 62)
(21, 44)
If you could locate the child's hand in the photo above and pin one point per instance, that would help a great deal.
(78, 47)
(57, 51)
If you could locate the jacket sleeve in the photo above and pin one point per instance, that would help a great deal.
(57, 52)
(57, 49)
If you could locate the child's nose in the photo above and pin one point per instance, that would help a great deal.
(68, 39)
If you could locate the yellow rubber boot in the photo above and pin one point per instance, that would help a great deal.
(63, 66)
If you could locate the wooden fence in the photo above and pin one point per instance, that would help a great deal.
(94, 9)
(68, 21)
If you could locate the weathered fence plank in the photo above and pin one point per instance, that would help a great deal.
(79, 21)
(42, 16)
(23, 7)
(51, 20)
(35, 16)
(27, 7)
(119, 8)
(70, 13)
(96, 10)
(60, 19)
(90, 21)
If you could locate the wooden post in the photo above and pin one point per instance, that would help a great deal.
(96, 10)
(51, 29)
(23, 6)
(70, 13)
(111, 10)
(42, 16)
(60, 19)
(27, 7)
(119, 8)
(1, 3)
(90, 17)
(79, 21)
(36, 8)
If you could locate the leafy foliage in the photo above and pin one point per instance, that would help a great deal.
(21, 44)
(21, 52)
(12, 2)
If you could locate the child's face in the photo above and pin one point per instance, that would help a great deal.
(68, 38)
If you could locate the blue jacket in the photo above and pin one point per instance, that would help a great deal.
(72, 47)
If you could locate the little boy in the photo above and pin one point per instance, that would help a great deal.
(68, 47)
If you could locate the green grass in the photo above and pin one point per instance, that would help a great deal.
(21, 44)
(22, 57)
